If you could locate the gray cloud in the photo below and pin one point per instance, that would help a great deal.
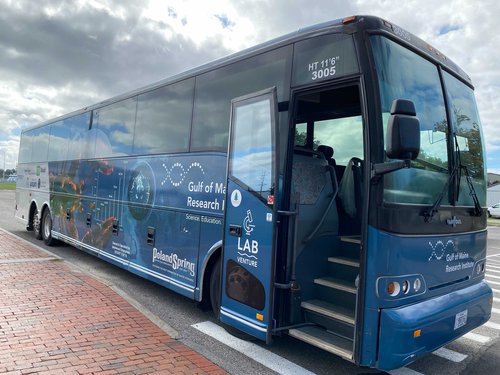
(59, 56)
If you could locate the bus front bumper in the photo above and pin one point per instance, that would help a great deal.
(409, 332)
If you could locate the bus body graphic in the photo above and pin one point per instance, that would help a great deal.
(328, 185)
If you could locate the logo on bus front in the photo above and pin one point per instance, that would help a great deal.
(449, 252)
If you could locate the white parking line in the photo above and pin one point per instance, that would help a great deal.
(495, 266)
(450, 355)
(495, 311)
(492, 325)
(493, 282)
(494, 276)
(261, 355)
(488, 270)
(477, 338)
(404, 371)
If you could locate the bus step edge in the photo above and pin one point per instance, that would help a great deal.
(331, 282)
(329, 310)
(322, 339)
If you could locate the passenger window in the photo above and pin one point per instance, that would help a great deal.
(115, 128)
(301, 135)
(39, 143)
(25, 151)
(81, 145)
(58, 141)
(216, 89)
(345, 135)
(164, 119)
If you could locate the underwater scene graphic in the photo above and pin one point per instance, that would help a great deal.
(151, 215)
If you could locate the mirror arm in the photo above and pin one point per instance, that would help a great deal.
(380, 169)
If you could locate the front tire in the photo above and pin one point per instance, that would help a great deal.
(215, 287)
(215, 301)
(46, 229)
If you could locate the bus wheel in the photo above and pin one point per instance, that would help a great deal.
(47, 228)
(214, 287)
(37, 226)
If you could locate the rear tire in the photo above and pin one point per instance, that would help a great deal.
(46, 228)
(37, 227)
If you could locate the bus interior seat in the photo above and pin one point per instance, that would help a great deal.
(351, 197)
(329, 152)
(317, 187)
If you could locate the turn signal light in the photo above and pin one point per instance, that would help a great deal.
(349, 19)
(393, 288)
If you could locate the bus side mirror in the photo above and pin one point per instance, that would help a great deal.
(403, 138)
(403, 131)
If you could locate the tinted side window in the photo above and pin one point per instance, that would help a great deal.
(81, 145)
(59, 141)
(164, 119)
(115, 128)
(25, 147)
(40, 143)
(214, 91)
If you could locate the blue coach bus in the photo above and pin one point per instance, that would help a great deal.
(328, 184)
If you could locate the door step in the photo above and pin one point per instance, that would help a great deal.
(351, 239)
(323, 339)
(331, 282)
(329, 310)
(345, 261)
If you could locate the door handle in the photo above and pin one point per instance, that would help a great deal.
(235, 230)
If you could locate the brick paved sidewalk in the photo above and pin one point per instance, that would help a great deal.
(57, 320)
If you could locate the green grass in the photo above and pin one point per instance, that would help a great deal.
(7, 186)
(494, 221)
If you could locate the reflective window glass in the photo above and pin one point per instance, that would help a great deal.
(216, 89)
(403, 74)
(164, 119)
(252, 149)
(115, 128)
(40, 143)
(81, 144)
(25, 147)
(59, 141)
(466, 123)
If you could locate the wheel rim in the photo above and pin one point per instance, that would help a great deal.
(36, 223)
(46, 226)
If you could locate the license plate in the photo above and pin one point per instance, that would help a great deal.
(460, 319)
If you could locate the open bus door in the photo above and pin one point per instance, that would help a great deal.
(250, 215)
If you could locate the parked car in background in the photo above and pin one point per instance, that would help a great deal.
(494, 211)
(12, 179)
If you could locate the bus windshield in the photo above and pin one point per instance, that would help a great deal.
(403, 74)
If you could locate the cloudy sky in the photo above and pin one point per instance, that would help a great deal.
(57, 56)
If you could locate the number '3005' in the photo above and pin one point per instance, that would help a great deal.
(323, 73)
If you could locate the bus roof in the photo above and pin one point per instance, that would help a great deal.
(348, 25)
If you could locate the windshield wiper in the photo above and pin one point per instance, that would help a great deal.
(428, 215)
(478, 211)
